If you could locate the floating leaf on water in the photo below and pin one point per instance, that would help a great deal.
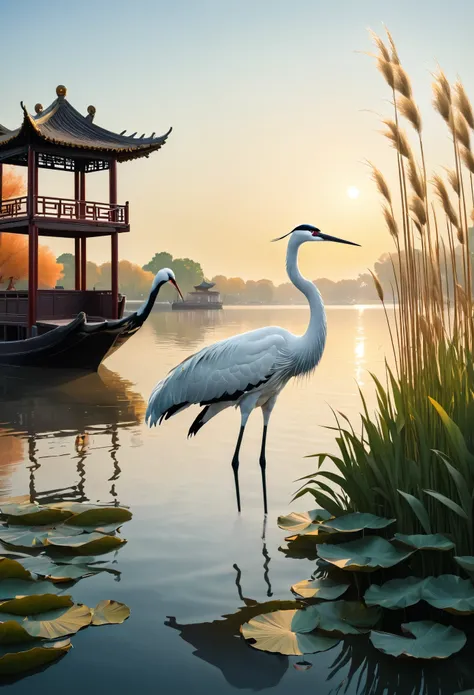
(32, 514)
(344, 617)
(364, 554)
(58, 623)
(12, 569)
(11, 588)
(11, 632)
(44, 567)
(286, 632)
(396, 593)
(466, 562)
(95, 543)
(110, 613)
(28, 660)
(429, 641)
(33, 605)
(425, 541)
(357, 521)
(21, 537)
(299, 522)
(320, 588)
(302, 665)
(449, 592)
(100, 516)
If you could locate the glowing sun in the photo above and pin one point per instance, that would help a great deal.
(353, 192)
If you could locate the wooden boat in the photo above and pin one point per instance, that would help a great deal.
(77, 344)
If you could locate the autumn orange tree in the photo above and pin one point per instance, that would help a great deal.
(14, 247)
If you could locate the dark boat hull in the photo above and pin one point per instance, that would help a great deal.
(77, 345)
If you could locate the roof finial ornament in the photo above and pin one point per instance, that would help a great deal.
(38, 108)
(91, 111)
(61, 90)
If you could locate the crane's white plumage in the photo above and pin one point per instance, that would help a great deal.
(248, 370)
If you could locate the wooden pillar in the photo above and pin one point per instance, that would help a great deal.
(1, 184)
(77, 243)
(82, 188)
(114, 237)
(32, 241)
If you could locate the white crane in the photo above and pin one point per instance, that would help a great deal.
(248, 370)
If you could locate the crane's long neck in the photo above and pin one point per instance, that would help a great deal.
(315, 337)
(144, 311)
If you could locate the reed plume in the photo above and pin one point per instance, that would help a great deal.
(410, 111)
(380, 182)
(443, 196)
(378, 286)
(441, 102)
(463, 104)
(462, 130)
(453, 179)
(397, 137)
(402, 81)
(417, 207)
(394, 53)
(415, 179)
(468, 158)
(390, 221)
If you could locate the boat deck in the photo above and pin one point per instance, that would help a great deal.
(64, 322)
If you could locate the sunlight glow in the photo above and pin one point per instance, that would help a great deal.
(353, 192)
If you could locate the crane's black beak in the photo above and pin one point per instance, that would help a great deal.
(328, 237)
(173, 282)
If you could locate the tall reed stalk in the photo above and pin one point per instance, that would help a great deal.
(415, 457)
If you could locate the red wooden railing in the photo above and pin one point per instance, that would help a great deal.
(65, 209)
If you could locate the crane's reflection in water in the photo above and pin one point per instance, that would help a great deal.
(36, 406)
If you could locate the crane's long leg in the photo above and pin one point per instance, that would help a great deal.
(267, 411)
(236, 462)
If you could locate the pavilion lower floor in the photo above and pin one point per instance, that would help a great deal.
(53, 308)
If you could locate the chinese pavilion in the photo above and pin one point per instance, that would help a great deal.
(59, 137)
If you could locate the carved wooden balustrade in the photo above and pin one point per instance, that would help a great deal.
(48, 207)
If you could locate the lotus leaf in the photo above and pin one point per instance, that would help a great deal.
(425, 541)
(95, 543)
(57, 573)
(344, 617)
(320, 588)
(11, 588)
(450, 593)
(33, 514)
(11, 632)
(466, 562)
(33, 605)
(286, 632)
(21, 537)
(110, 613)
(431, 641)
(396, 593)
(357, 521)
(21, 662)
(12, 569)
(58, 623)
(299, 522)
(100, 516)
(364, 554)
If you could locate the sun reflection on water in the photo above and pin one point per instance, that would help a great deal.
(359, 347)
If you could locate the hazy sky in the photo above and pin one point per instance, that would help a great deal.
(273, 112)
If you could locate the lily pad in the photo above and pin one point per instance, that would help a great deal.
(58, 623)
(33, 605)
(21, 537)
(449, 592)
(11, 588)
(12, 569)
(396, 593)
(100, 516)
(28, 660)
(357, 521)
(429, 641)
(110, 613)
(364, 554)
(33, 514)
(87, 543)
(286, 632)
(425, 541)
(320, 588)
(43, 566)
(466, 562)
(344, 617)
(299, 522)
(11, 632)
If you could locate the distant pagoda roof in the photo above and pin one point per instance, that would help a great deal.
(62, 125)
(205, 285)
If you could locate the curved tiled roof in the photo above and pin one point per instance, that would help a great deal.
(61, 124)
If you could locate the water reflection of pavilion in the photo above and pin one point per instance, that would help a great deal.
(35, 406)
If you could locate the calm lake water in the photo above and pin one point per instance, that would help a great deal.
(190, 558)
